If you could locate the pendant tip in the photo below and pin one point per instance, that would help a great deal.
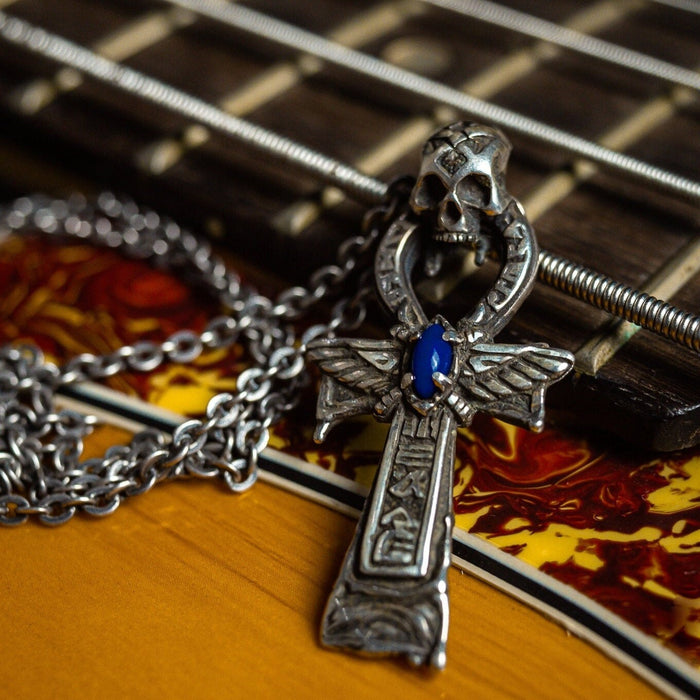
(439, 660)
(321, 431)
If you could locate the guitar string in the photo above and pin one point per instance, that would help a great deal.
(41, 42)
(118, 46)
(271, 83)
(485, 84)
(284, 34)
(553, 33)
(599, 348)
(677, 270)
(660, 311)
(673, 274)
(125, 42)
(415, 130)
(577, 281)
(196, 136)
(153, 27)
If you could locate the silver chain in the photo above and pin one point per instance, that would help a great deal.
(41, 472)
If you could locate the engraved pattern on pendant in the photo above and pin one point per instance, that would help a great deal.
(391, 593)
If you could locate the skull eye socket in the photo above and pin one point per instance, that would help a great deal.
(475, 190)
(429, 193)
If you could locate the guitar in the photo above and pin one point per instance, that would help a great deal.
(77, 130)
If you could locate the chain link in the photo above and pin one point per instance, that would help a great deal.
(41, 474)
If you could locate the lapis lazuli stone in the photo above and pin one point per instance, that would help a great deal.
(430, 354)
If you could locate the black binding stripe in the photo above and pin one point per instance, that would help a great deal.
(476, 558)
(514, 578)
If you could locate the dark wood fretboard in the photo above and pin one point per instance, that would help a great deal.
(61, 131)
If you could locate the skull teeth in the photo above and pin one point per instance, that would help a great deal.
(452, 237)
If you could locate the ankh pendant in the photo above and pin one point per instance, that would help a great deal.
(428, 379)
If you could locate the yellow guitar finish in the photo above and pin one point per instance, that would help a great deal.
(191, 592)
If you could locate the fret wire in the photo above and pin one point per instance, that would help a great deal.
(278, 79)
(406, 137)
(126, 41)
(413, 132)
(564, 37)
(37, 40)
(22, 33)
(630, 130)
(673, 275)
(285, 34)
(590, 19)
(667, 280)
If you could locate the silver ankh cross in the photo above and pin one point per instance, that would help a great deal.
(428, 379)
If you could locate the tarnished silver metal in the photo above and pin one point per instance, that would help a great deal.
(391, 595)
(41, 472)
(330, 170)
(462, 175)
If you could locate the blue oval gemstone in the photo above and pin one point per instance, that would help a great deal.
(430, 354)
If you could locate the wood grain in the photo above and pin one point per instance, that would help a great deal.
(191, 592)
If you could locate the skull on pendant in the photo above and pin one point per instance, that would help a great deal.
(461, 186)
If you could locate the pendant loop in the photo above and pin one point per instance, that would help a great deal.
(400, 251)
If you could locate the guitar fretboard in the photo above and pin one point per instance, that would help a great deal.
(65, 131)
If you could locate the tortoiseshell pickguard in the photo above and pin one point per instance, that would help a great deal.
(620, 525)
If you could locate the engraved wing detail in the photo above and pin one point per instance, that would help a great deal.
(371, 366)
(509, 381)
(357, 374)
